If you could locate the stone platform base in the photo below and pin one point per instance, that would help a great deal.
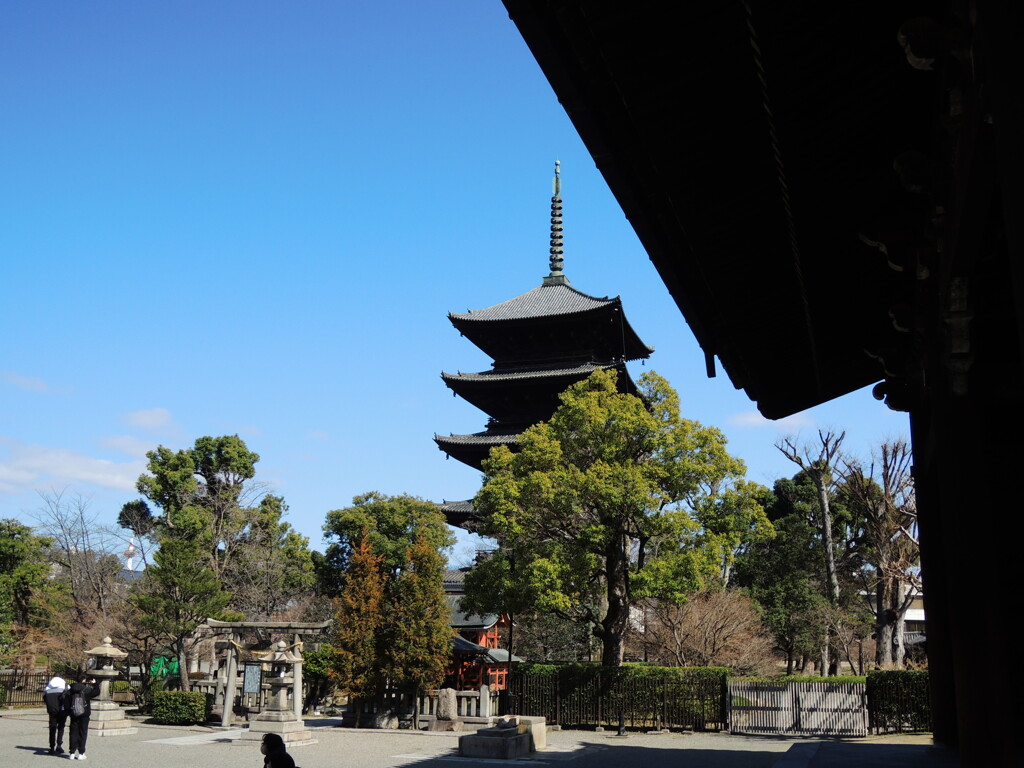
(494, 747)
(510, 738)
(294, 732)
(107, 719)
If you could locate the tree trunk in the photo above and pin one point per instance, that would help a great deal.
(899, 648)
(616, 619)
(186, 683)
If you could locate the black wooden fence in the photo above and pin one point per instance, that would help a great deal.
(607, 697)
(899, 702)
(19, 689)
(25, 689)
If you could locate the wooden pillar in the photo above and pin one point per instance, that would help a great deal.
(229, 683)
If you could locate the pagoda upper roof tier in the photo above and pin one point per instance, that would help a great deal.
(552, 322)
(526, 394)
(543, 301)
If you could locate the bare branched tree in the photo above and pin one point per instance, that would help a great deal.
(717, 628)
(85, 553)
(819, 463)
(883, 493)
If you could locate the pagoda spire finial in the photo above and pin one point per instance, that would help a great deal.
(556, 277)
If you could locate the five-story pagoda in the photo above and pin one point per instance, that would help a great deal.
(541, 342)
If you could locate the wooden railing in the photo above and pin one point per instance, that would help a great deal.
(468, 704)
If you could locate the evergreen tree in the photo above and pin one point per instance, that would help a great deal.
(385, 566)
(419, 635)
(178, 592)
(356, 664)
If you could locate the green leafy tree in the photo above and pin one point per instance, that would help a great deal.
(784, 575)
(207, 495)
(203, 494)
(392, 524)
(596, 509)
(731, 521)
(24, 585)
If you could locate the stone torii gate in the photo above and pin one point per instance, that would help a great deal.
(235, 630)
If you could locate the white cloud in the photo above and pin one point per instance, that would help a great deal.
(753, 419)
(127, 445)
(29, 467)
(26, 383)
(149, 418)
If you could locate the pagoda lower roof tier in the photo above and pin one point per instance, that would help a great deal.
(473, 449)
(552, 323)
(460, 514)
(527, 394)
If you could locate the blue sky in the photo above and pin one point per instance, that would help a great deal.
(253, 217)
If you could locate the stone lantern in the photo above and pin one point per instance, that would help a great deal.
(107, 718)
(279, 716)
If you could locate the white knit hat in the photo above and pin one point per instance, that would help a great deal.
(55, 685)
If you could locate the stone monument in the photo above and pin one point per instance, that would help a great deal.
(107, 718)
(279, 716)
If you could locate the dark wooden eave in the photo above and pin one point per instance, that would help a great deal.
(752, 147)
(552, 323)
(528, 394)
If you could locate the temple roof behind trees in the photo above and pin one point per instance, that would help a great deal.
(529, 394)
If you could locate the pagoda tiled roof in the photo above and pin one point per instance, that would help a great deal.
(461, 514)
(490, 437)
(527, 372)
(542, 301)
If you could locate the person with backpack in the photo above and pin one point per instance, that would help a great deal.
(79, 696)
(56, 707)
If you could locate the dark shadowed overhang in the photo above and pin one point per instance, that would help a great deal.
(752, 147)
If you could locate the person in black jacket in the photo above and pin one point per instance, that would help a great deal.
(79, 731)
(56, 708)
(275, 755)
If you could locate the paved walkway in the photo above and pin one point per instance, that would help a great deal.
(23, 742)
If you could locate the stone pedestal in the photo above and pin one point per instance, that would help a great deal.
(511, 738)
(279, 718)
(294, 732)
(107, 719)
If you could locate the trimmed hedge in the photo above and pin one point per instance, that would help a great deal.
(802, 679)
(180, 707)
(899, 701)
